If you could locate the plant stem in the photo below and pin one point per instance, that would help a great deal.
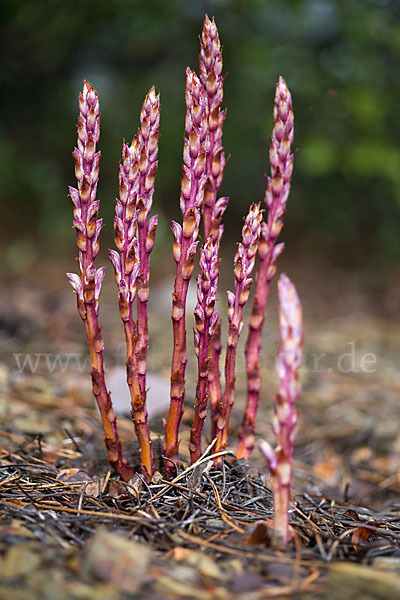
(285, 415)
(214, 377)
(87, 284)
(131, 265)
(210, 62)
(206, 319)
(243, 267)
(184, 250)
(148, 142)
(276, 197)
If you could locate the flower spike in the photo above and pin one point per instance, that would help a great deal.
(184, 249)
(276, 196)
(285, 415)
(243, 267)
(87, 284)
(134, 239)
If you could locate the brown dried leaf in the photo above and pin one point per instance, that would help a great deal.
(73, 476)
(260, 534)
(362, 534)
(93, 487)
(116, 489)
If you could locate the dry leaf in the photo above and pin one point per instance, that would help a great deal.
(116, 489)
(260, 534)
(362, 534)
(73, 476)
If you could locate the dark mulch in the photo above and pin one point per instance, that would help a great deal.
(207, 530)
(70, 529)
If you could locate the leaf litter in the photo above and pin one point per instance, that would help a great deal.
(70, 529)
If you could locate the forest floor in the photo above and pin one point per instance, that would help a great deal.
(70, 529)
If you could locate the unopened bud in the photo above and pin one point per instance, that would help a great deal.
(85, 188)
(88, 292)
(211, 83)
(176, 251)
(187, 267)
(81, 240)
(194, 144)
(239, 270)
(214, 118)
(216, 163)
(244, 295)
(199, 164)
(123, 307)
(185, 184)
(119, 234)
(208, 193)
(149, 182)
(189, 222)
(143, 294)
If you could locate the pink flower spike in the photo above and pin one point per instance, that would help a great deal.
(212, 81)
(88, 284)
(184, 249)
(276, 196)
(285, 414)
(243, 265)
(134, 239)
(206, 317)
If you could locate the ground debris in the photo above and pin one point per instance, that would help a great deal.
(197, 536)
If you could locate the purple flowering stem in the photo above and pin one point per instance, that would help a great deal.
(206, 319)
(210, 63)
(135, 165)
(214, 377)
(276, 196)
(184, 250)
(148, 142)
(87, 285)
(285, 415)
(243, 266)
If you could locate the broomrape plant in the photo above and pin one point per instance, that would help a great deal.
(135, 230)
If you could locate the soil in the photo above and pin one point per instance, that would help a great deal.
(70, 529)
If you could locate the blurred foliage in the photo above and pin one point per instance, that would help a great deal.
(340, 59)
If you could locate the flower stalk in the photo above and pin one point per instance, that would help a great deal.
(87, 284)
(131, 262)
(243, 267)
(184, 251)
(278, 188)
(148, 143)
(206, 321)
(210, 63)
(285, 415)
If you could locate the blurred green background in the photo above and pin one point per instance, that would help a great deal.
(340, 58)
